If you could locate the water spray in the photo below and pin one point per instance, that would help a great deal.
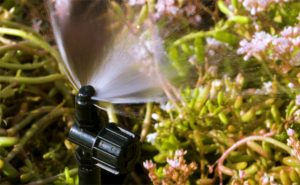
(107, 60)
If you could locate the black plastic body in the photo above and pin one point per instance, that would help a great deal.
(101, 145)
(113, 148)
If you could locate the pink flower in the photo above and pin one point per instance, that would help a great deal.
(190, 9)
(255, 6)
(296, 41)
(294, 143)
(258, 44)
(148, 164)
(173, 163)
(290, 31)
(281, 45)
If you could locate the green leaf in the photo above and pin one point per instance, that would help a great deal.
(223, 118)
(199, 49)
(223, 8)
(226, 37)
(186, 48)
(239, 19)
(235, 4)
(160, 158)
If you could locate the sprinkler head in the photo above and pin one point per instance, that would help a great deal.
(113, 148)
(110, 147)
(85, 112)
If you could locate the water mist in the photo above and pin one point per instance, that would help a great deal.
(102, 47)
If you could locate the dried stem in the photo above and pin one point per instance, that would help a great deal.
(146, 122)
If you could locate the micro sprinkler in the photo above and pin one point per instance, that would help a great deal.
(105, 60)
(105, 146)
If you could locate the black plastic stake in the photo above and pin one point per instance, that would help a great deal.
(88, 172)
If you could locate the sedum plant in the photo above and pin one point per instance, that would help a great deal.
(236, 110)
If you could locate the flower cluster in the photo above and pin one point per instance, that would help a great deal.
(174, 8)
(175, 172)
(294, 143)
(284, 47)
(255, 6)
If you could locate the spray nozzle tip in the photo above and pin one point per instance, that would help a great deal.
(86, 92)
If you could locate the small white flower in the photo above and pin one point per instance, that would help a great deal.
(151, 138)
(167, 107)
(179, 153)
(298, 99)
(173, 163)
(148, 164)
(155, 116)
(265, 179)
(136, 2)
(216, 83)
(297, 115)
(267, 87)
(242, 174)
(290, 132)
(291, 85)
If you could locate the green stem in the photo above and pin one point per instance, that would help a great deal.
(19, 26)
(36, 127)
(62, 87)
(146, 122)
(192, 36)
(8, 141)
(112, 117)
(7, 169)
(32, 80)
(33, 38)
(24, 46)
(22, 66)
(49, 180)
(32, 115)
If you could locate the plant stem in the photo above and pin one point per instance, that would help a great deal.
(33, 38)
(7, 169)
(40, 124)
(7, 141)
(32, 80)
(192, 36)
(22, 66)
(146, 122)
(32, 115)
(230, 172)
(111, 113)
(48, 180)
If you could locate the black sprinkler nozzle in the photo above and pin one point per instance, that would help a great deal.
(103, 145)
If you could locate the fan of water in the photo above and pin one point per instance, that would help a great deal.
(101, 45)
(102, 48)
